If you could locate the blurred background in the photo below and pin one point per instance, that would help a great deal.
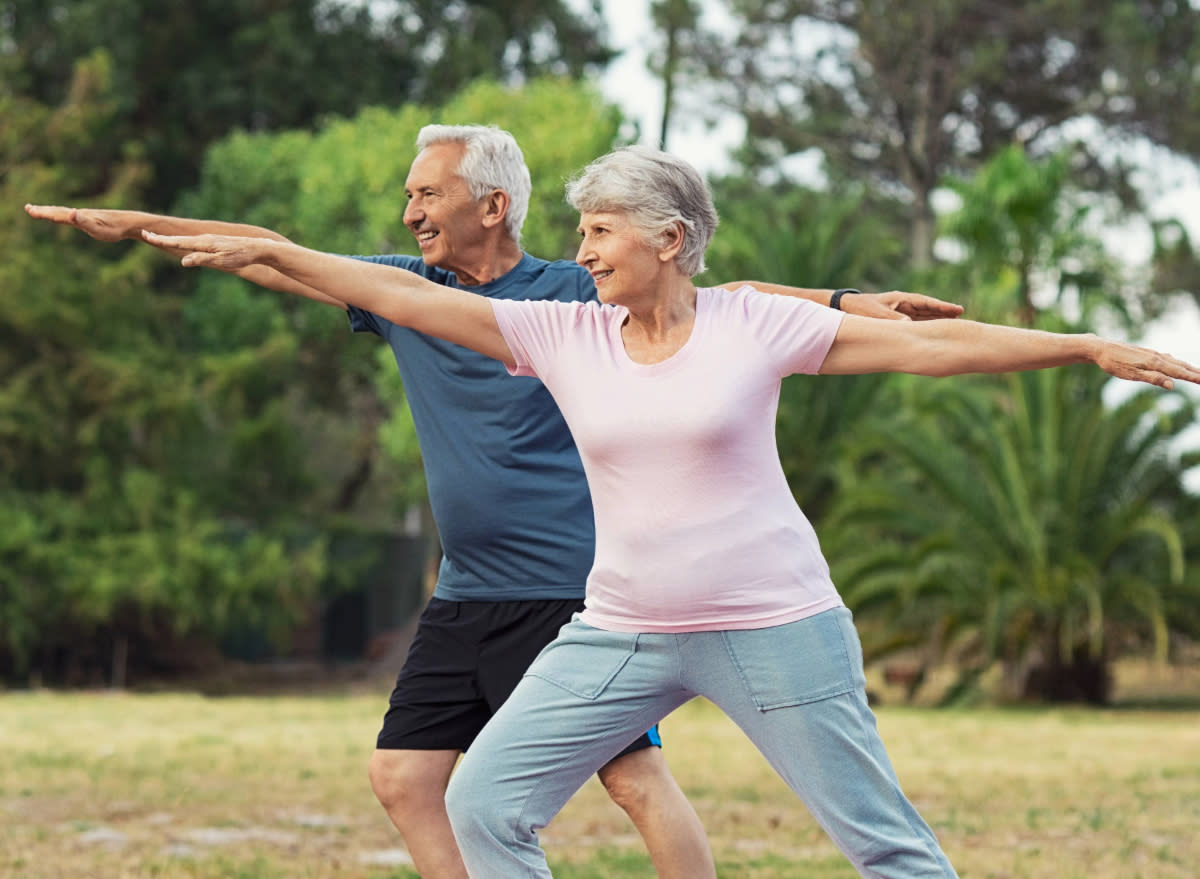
(199, 477)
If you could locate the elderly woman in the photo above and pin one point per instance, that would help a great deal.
(708, 579)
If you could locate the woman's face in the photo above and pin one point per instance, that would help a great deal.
(622, 264)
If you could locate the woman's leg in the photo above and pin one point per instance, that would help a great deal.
(799, 693)
(588, 695)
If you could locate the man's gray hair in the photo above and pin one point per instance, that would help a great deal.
(492, 160)
(655, 190)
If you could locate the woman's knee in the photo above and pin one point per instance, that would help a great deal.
(469, 802)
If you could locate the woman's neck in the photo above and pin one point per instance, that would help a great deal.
(657, 329)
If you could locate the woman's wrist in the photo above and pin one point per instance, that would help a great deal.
(1092, 347)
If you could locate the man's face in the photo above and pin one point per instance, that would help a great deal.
(441, 213)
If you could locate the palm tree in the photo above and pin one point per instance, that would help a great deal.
(1022, 521)
(1028, 229)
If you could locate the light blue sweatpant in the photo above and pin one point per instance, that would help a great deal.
(797, 690)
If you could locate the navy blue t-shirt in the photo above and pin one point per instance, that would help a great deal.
(505, 481)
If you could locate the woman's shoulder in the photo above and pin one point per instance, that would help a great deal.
(566, 314)
(723, 301)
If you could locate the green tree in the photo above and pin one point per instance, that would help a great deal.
(678, 20)
(1028, 230)
(185, 75)
(117, 521)
(1019, 520)
(1032, 526)
(1175, 261)
(906, 93)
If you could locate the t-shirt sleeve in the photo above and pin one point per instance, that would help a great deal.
(534, 331)
(362, 321)
(795, 333)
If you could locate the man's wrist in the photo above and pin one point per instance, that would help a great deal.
(136, 221)
(835, 301)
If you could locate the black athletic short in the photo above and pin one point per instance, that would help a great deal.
(465, 660)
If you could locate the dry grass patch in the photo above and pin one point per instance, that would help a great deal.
(99, 785)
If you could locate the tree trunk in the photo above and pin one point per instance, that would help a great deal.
(1082, 677)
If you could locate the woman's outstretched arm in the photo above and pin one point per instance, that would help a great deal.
(955, 347)
(401, 296)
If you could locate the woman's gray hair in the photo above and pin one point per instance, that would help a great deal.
(492, 160)
(655, 190)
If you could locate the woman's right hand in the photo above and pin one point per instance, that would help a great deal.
(229, 253)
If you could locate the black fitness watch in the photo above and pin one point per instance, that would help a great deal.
(835, 301)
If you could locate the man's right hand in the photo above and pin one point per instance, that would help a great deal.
(103, 225)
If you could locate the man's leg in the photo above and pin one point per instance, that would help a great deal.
(641, 783)
(434, 713)
(411, 787)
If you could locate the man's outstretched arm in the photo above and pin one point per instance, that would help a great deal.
(116, 225)
(894, 305)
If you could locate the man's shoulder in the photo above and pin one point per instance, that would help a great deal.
(552, 279)
(411, 263)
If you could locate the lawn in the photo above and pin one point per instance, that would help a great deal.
(181, 785)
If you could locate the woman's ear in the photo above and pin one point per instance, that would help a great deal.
(672, 240)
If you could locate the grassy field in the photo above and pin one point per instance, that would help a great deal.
(118, 786)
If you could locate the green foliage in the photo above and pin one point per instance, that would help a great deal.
(341, 188)
(1022, 520)
(185, 75)
(1176, 263)
(790, 234)
(904, 93)
(170, 442)
(123, 501)
(1026, 228)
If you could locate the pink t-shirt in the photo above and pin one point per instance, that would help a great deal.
(696, 528)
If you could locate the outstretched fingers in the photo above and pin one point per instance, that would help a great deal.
(53, 213)
(224, 252)
(1152, 367)
(1174, 368)
(918, 306)
(185, 246)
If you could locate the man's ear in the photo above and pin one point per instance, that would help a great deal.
(672, 240)
(495, 207)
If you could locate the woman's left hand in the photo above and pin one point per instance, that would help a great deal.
(1144, 364)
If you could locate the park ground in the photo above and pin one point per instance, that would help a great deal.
(113, 785)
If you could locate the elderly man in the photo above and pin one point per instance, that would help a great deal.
(506, 487)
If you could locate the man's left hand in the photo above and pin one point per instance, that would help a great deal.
(898, 305)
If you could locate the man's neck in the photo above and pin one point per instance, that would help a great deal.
(492, 263)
